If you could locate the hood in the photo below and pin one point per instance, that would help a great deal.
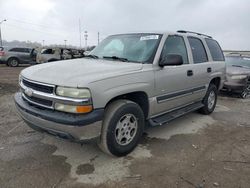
(231, 70)
(78, 72)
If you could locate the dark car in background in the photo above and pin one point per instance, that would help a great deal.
(17, 55)
(238, 74)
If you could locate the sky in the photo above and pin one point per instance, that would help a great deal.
(54, 21)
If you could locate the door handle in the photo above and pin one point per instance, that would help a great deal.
(190, 73)
(209, 69)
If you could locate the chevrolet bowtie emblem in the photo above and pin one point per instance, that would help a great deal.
(28, 92)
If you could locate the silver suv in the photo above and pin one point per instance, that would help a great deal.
(17, 55)
(125, 83)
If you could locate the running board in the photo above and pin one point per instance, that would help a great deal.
(166, 118)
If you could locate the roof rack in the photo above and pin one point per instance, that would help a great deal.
(183, 31)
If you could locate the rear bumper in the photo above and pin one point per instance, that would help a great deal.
(76, 128)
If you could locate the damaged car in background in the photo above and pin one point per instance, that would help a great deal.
(238, 74)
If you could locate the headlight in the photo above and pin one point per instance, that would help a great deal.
(73, 92)
(20, 79)
(239, 77)
(73, 109)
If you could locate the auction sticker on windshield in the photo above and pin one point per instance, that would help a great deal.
(149, 37)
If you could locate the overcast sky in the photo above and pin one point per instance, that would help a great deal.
(54, 21)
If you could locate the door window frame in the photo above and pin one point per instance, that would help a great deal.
(185, 44)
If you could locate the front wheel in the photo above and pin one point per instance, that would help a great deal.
(122, 128)
(209, 100)
(246, 92)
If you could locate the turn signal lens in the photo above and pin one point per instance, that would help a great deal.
(73, 109)
(84, 109)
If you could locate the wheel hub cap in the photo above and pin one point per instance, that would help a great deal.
(126, 129)
(211, 100)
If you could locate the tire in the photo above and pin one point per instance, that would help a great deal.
(246, 92)
(209, 100)
(121, 117)
(13, 62)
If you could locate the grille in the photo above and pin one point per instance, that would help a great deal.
(39, 101)
(38, 87)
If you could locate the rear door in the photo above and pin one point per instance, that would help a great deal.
(25, 54)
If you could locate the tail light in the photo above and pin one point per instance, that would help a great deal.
(2, 53)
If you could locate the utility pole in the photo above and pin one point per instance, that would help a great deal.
(43, 43)
(1, 41)
(65, 41)
(80, 33)
(98, 38)
(86, 39)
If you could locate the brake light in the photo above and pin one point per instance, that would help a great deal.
(2, 53)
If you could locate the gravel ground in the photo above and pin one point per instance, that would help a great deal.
(192, 151)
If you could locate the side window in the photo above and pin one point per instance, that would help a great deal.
(215, 50)
(26, 50)
(198, 50)
(175, 45)
(14, 50)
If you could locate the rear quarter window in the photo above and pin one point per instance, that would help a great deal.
(215, 50)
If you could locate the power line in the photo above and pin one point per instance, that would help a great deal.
(55, 34)
(37, 25)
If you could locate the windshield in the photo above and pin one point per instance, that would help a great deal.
(238, 61)
(139, 48)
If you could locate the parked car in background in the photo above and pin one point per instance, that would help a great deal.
(238, 74)
(14, 56)
(56, 54)
(125, 83)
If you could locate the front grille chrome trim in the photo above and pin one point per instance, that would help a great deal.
(51, 96)
(35, 103)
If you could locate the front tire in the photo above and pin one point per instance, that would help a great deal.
(209, 100)
(122, 128)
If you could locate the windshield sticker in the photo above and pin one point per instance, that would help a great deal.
(247, 58)
(150, 37)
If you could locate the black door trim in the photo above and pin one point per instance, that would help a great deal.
(179, 93)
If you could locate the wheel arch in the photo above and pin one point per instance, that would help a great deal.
(139, 97)
(216, 81)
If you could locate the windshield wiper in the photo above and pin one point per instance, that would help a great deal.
(116, 58)
(241, 66)
(92, 56)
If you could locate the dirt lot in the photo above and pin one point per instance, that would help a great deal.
(193, 151)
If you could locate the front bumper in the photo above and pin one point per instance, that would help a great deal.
(234, 86)
(78, 128)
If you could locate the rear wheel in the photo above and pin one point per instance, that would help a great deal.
(209, 100)
(122, 129)
(13, 62)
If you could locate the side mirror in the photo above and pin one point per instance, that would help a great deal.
(170, 60)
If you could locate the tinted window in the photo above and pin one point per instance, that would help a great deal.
(24, 50)
(198, 50)
(215, 50)
(175, 45)
(47, 51)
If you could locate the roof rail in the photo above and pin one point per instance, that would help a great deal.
(183, 31)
